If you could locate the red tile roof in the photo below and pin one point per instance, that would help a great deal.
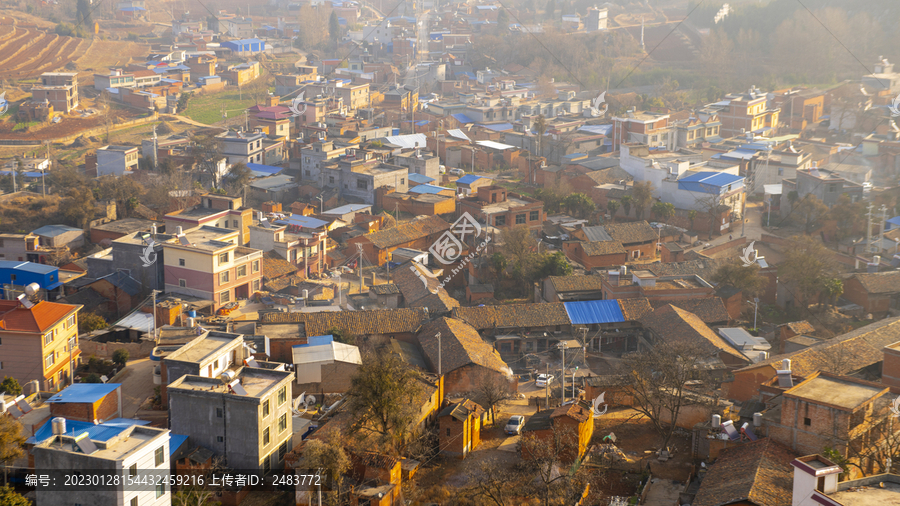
(460, 346)
(44, 315)
(408, 232)
(757, 473)
(674, 324)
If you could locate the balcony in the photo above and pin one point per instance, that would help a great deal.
(242, 254)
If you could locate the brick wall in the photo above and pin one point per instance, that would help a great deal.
(574, 251)
(106, 408)
(737, 243)
(890, 369)
(467, 378)
(106, 350)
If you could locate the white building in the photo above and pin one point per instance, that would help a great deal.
(136, 451)
(117, 160)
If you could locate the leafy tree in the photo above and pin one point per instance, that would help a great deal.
(807, 262)
(540, 127)
(10, 386)
(343, 336)
(613, 207)
(83, 13)
(580, 204)
(833, 288)
(658, 377)
(553, 195)
(692, 215)
(380, 400)
(327, 452)
(9, 497)
(663, 211)
(502, 22)
(78, 206)
(849, 217)
(238, 178)
(120, 356)
(745, 278)
(643, 195)
(810, 211)
(626, 204)
(118, 189)
(334, 27)
(92, 378)
(552, 264)
(89, 322)
(183, 101)
(12, 440)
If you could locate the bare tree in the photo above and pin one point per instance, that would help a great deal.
(12, 440)
(328, 453)
(201, 493)
(657, 380)
(492, 481)
(491, 391)
(549, 457)
(711, 205)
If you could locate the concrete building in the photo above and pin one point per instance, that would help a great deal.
(696, 130)
(246, 147)
(825, 185)
(358, 177)
(88, 402)
(117, 160)
(772, 168)
(59, 236)
(60, 89)
(418, 161)
(323, 365)
(745, 112)
(207, 356)
(34, 342)
(652, 129)
(247, 420)
(137, 449)
(313, 156)
(117, 78)
(21, 247)
(493, 206)
(220, 211)
(207, 262)
(131, 254)
(305, 249)
(353, 96)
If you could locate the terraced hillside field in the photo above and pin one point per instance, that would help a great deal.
(27, 52)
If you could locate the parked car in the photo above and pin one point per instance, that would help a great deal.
(458, 172)
(543, 380)
(514, 425)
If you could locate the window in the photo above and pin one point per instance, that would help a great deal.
(219, 413)
(70, 322)
(225, 296)
(780, 171)
(308, 173)
(223, 258)
(520, 219)
(266, 436)
(182, 283)
(448, 431)
(362, 184)
(282, 423)
(234, 223)
(160, 456)
(132, 471)
(220, 439)
(402, 180)
(832, 188)
(12, 277)
(49, 360)
(282, 395)
(1, 365)
(48, 338)
(265, 409)
(134, 501)
(282, 450)
(500, 221)
(181, 262)
(160, 490)
(534, 216)
(223, 277)
(807, 422)
(256, 284)
(331, 179)
(267, 466)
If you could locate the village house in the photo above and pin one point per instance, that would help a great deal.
(876, 293)
(419, 233)
(459, 427)
(574, 421)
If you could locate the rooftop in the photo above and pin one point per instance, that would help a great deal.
(204, 347)
(844, 393)
(14, 317)
(256, 382)
(117, 447)
(84, 392)
(758, 473)
(125, 225)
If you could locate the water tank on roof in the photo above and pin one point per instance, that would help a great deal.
(716, 421)
(59, 426)
(32, 289)
(757, 419)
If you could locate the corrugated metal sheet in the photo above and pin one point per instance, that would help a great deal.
(407, 141)
(456, 133)
(84, 392)
(421, 178)
(594, 311)
(428, 188)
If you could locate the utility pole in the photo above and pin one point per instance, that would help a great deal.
(562, 383)
(547, 389)
(359, 266)
(155, 339)
(440, 368)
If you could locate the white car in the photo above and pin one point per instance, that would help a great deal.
(458, 172)
(514, 425)
(543, 380)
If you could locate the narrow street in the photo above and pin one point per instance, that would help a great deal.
(137, 385)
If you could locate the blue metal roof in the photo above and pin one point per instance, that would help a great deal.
(498, 127)
(422, 123)
(84, 392)
(316, 341)
(175, 441)
(894, 222)
(468, 179)
(462, 118)
(594, 311)
(422, 178)
(428, 188)
(709, 182)
(28, 267)
(269, 170)
(741, 154)
(101, 432)
(349, 208)
(302, 221)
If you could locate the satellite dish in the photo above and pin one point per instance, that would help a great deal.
(31, 289)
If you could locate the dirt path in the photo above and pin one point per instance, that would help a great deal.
(137, 385)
